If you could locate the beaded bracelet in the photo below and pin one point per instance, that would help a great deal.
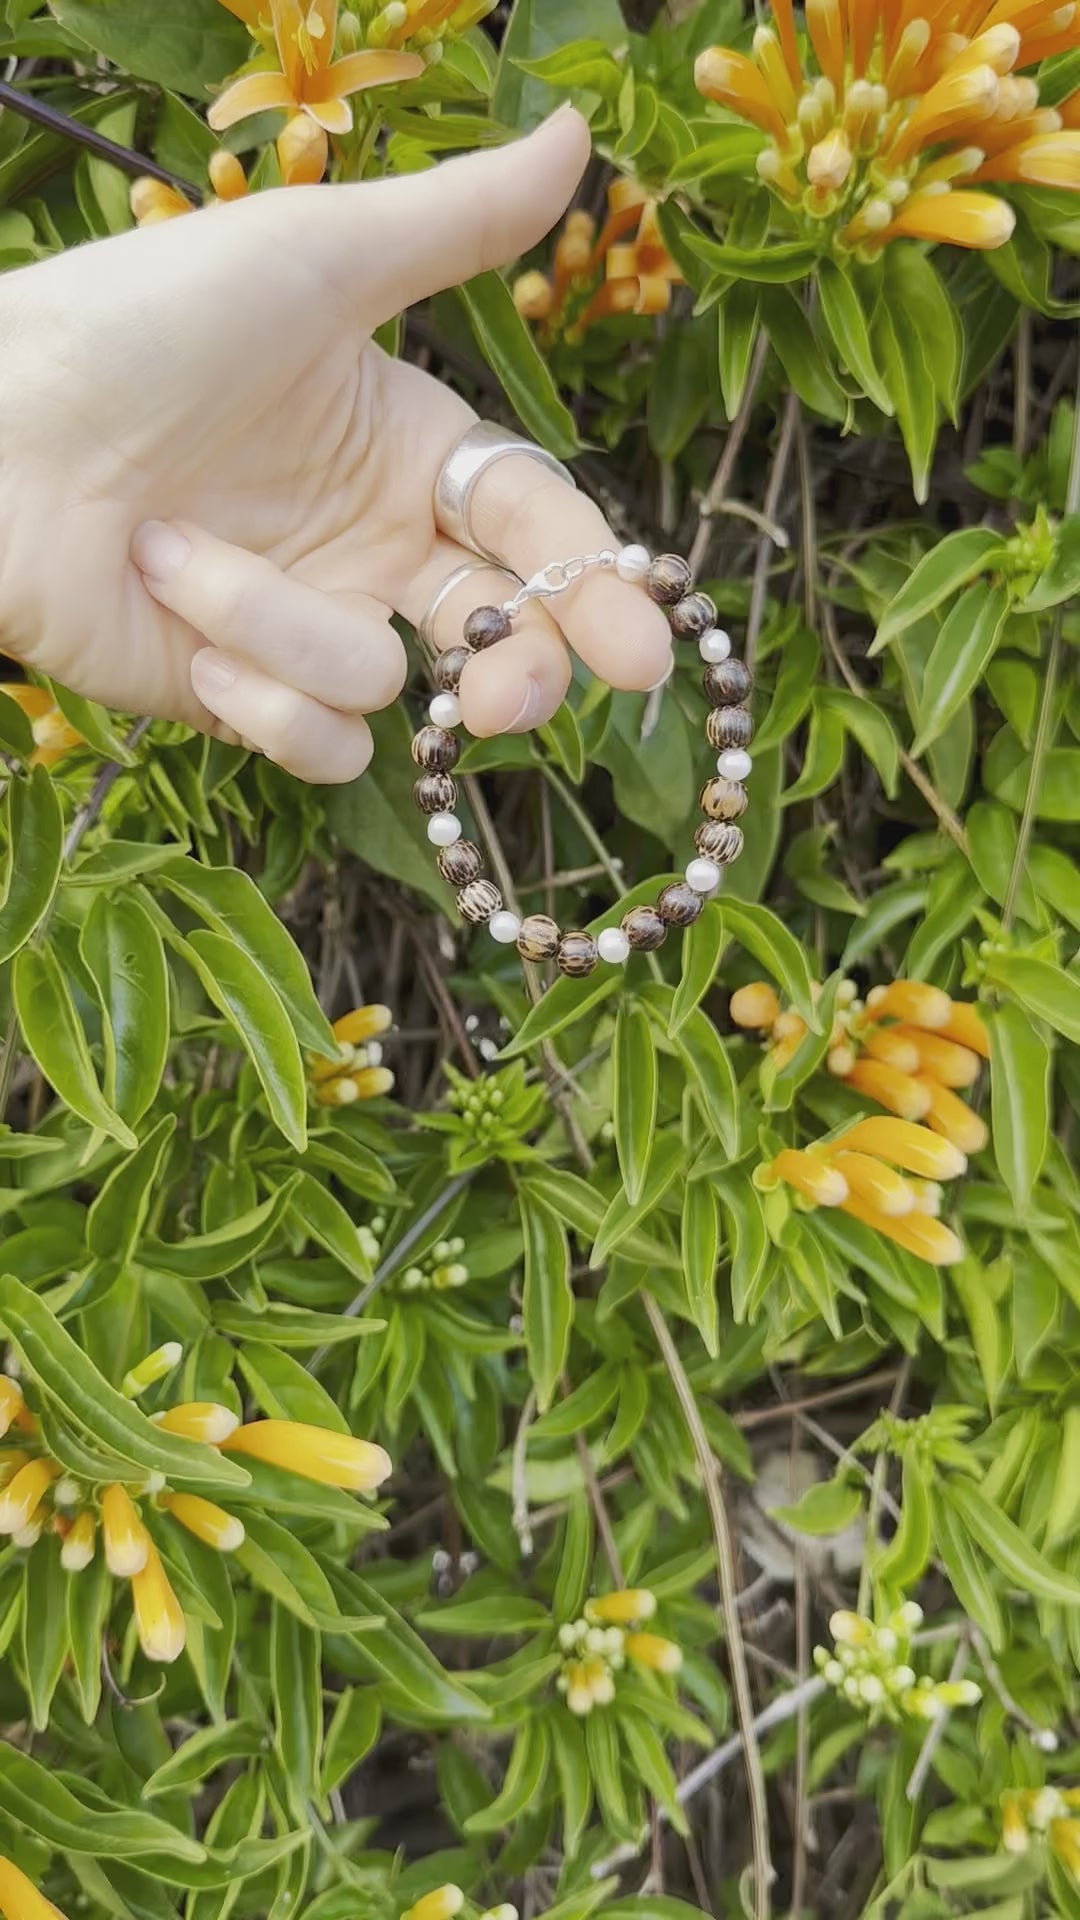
(729, 729)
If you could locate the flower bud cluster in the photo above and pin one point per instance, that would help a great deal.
(870, 1666)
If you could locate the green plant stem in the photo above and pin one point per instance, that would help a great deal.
(1046, 722)
(729, 1607)
(713, 500)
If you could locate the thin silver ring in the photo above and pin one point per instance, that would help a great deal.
(477, 450)
(426, 629)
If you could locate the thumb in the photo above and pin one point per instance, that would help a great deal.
(391, 242)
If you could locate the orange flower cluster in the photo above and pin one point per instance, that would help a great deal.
(53, 734)
(357, 1072)
(907, 1049)
(899, 112)
(37, 1495)
(639, 273)
(20, 1899)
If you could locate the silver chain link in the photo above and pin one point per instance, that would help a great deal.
(557, 576)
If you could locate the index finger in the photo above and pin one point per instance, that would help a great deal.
(529, 517)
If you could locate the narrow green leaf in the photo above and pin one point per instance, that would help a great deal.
(575, 1780)
(1060, 578)
(967, 642)
(667, 1162)
(706, 1062)
(511, 352)
(402, 1659)
(824, 1509)
(38, 1799)
(575, 1561)
(800, 354)
(1019, 1100)
(902, 1563)
(703, 943)
(54, 1035)
(125, 956)
(634, 1096)
(207, 1256)
(700, 1253)
(34, 827)
(764, 935)
(296, 1687)
(1002, 1541)
(848, 326)
(117, 1215)
(1047, 991)
(547, 1298)
(241, 991)
(88, 1599)
(524, 1782)
(201, 1755)
(966, 1571)
(44, 1627)
(950, 565)
(352, 1733)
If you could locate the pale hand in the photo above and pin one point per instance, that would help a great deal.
(215, 490)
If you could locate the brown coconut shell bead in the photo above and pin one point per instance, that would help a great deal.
(577, 955)
(729, 727)
(435, 793)
(484, 626)
(449, 668)
(669, 579)
(539, 937)
(727, 684)
(693, 616)
(720, 841)
(478, 901)
(461, 863)
(679, 905)
(435, 749)
(723, 799)
(644, 929)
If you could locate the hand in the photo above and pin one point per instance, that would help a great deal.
(215, 490)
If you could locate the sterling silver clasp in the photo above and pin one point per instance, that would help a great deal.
(557, 576)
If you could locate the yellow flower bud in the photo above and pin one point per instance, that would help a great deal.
(152, 201)
(811, 1175)
(227, 176)
(201, 1420)
(77, 1549)
(127, 1543)
(900, 1092)
(205, 1520)
(623, 1608)
(315, 1453)
(20, 1899)
(11, 1403)
(948, 1115)
(155, 1366)
(534, 296)
(441, 1904)
(158, 1615)
(851, 1629)
(650, 1650)
(879, 1185)
(363, 1023)
(21, 1498)
(916, 1149)
(755, 1006)
(910, 1000)
(302, 150)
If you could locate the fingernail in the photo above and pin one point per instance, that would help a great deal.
(212, 674)
(158, 550)
(532, 710)
(665, 676)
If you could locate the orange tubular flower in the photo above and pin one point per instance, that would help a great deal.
(12, 1404)
(152, 201)
(959, 219)
(910, 1000)
(20, 1899)
(159, 1617)
(309, 79)
(943, 1060)
(877, 1185)
(369, 1084)
(812, 1175)
(22, 1496)
(916, 1149)
(303, 150)
(315, 1453)
(205, 1520)
(1048, 160)
(949, 1116)
(734, 81)
(901, 1093)
(652, 1651)
(53, 734)
(891, 1045)
(227, 176)
(756, 1005)
(918, 1233)
(201, 1420)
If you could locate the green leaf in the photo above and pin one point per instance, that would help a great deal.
(512, 354)
(749, 1240)
(284, 1326)
(110, 190)
(652, 1766)
(771, 266)
(708, 1066)
(230, 903)
(561, 735)
(873, 730)
(524, 1782)
(206, 1256)
(700, 1253)
(634, 1095)
(241, 991)
(201, 1755)
(1064, 1509)
(827, 1508)
(547, 1299)
(602, 1748)
(739, 332)
(583, 64)
(1008, 1548)
(88, 1598)
(846, 321)
(967, 642)
(764, 935)
(910, 383)
(34, 826)
(488, 1618)
(941, 572)
(352, 1733)
(120, 860)
(575, 1561)
(667, 1162)
(916, 298)
(38, 1799)
(117, 1216)
(296, 1688)
(575, 1780)
(823, 759)
(191, 48)
(125, 957)
(63, 1371)
(377, 819)
(538, 28)
(44, 1628)
(330, 1225)
(901, 1564)
(1019, 1100)
(405, 1663)
(703, 944)
(800, 355)
(1047, 991)
(54, 1035)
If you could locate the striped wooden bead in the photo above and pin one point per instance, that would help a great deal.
(461, 863)
(539, 937)
(719, 840)
(727, 683)
(729, 727)
(723, 799)
(679, 905)
(577, 955)
(692, 616)
(478, 901)
(450, 666)
(644, 929)
(435, 749)
(435, 793)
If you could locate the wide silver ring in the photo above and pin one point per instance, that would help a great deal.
(477, 450)
(426, 629)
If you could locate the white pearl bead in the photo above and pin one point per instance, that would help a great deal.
(443, 829)
(715, 646)
(613, 946)
(733, 764)
(633, 563)
(504, 927)
(445, 710)
(703, 875)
